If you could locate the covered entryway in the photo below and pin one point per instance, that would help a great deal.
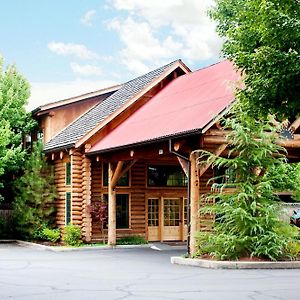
(167, 219)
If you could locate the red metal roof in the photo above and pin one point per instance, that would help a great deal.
(186, 104)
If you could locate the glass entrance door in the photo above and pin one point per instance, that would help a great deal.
(172, 219)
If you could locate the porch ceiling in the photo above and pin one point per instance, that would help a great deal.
(188, 104)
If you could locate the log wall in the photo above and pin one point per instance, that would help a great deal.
(62, 188)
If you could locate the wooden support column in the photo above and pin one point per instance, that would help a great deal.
(194, 201)
(112, 234)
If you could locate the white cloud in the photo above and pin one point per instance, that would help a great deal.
(142, 48)
(70, 49)
(157, 31)
(87, 18)
(85, 70)
(46, 92)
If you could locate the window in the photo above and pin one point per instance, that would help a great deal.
(68, 173)
(153, 212)
(122, 210)
(166, 176)
(68, 208)
(123, 181)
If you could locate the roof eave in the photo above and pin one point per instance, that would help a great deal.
(147, 142)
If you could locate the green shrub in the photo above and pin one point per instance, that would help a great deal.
(72, 235)
(132, 240)
(52, 235)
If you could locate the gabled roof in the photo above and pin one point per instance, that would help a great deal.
(52, 105)
(88, 121)
(187, 105)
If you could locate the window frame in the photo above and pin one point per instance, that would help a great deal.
(165, 186)
(68, 173)
(68, 211)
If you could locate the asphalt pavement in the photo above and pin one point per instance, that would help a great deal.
(131, 274)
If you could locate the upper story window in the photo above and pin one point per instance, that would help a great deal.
(123, 181)
(163, 176)
(68, 173)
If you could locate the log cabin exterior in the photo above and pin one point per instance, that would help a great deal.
(136, 149)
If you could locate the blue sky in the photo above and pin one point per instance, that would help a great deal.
(65, 48)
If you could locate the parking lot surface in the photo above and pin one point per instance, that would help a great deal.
(131, 274)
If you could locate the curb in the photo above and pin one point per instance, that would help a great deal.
(210, 264)
(70, 249)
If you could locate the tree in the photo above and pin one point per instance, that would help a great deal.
(262, 38)
(35, 195)
(248, 216)
(15, 122)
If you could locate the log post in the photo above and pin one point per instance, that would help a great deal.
(194, 201)
(112, 235)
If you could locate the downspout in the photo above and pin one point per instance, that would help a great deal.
(188, 194)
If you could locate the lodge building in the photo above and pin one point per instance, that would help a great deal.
(134, 145)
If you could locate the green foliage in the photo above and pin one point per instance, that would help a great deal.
(262, 38)
(132, 240)
(36, 193)
(247, 217)
(52, 235)
(15, 123)
(286, 177)
(72, 235)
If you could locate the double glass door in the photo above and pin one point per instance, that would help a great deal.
(166, 219)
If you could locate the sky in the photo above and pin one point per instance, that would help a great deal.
(70, 47)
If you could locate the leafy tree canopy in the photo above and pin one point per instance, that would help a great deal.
(15, 122)
(262, 37)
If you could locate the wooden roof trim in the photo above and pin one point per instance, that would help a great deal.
(178, 64)
(43, 108)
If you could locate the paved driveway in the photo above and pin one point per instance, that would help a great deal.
(131, 274)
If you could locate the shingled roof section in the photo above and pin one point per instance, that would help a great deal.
(89, 120)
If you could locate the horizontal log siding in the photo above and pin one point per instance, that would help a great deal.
(62, 188)
(77, 183)
(138, 209)
(205, 220)
(86, 196)
(96, 190)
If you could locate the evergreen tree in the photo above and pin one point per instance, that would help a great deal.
(36, 193)
(248, 216)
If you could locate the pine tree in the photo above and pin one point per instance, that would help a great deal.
(247, 215)
(36, 193)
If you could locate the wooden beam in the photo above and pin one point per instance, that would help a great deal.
(295, 125)
(217, 153)
(116, 174)
(194, 201)
(184, 165)
(112, 231)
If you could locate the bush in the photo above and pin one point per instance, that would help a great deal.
(72, 235)
(132, 240)
(52, 235)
